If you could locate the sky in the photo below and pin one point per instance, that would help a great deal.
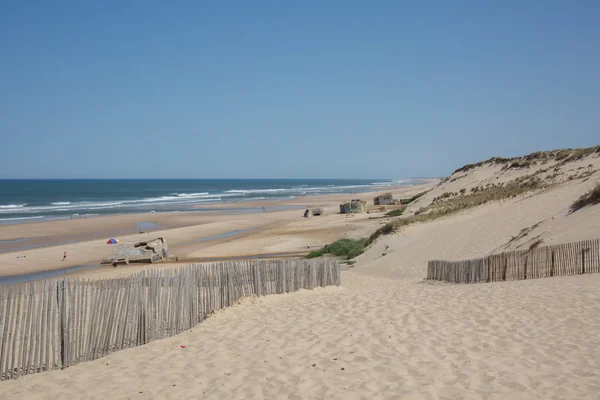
(291, 89)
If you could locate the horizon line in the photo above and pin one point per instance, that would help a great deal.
(223, 179)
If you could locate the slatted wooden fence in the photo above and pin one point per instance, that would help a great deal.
(54, 324)
(541, 262)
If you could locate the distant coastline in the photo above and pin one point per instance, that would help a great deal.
(24, 200)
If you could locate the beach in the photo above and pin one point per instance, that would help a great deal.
(225, 232)
(386, 332)
(373, 338)
(300, 200)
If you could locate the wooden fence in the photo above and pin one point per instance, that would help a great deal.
(557, 260)
(56, 323)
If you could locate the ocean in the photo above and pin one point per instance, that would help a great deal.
(34, 200)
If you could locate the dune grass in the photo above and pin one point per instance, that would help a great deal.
(590, 198)
(453, 202)
(351, 248)
(446, 205)
(564, 156)
(395, 213)
(346, 248)
(414, 198)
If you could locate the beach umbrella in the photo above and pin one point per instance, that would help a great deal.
(112, 241)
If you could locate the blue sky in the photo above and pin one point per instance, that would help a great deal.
(291, 89)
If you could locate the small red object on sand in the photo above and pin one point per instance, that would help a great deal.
(182, 346)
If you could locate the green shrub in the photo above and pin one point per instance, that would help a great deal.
(395, 213)
(346, 248)
(351, 248)
(316, 253)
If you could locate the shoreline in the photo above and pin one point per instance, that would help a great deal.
(219, 232)
(200, 208)
(23, 212)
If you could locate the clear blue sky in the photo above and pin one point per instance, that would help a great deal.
(291, 89)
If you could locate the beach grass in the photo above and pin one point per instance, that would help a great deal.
(395, 213)
(346, 248)
(590, 198)
(351, 248)
(415, 197)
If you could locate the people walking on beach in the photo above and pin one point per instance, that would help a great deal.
(65, 256)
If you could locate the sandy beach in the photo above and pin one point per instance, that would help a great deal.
(193, 236)
(300, 200)
(386, 333)
(374, 338)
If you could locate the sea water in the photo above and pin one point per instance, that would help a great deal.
(35, 200)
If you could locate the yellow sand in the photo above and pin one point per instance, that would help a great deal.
(386, 334)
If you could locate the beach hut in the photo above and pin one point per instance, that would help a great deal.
(112, 241)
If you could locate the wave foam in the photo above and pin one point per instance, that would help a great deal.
(11, 206)
(176, 199)
(21, 218)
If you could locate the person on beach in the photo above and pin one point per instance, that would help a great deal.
(65, 256)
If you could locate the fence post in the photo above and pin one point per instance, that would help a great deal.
(525, 267)
(142, 306)
(552, 266)
(583, 261)
(60, 306)
(505, 268)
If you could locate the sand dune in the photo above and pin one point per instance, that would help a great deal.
(387, 333)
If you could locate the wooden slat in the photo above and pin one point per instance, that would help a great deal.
(557, 260)
(99, 310)
(131, 323)
(125, 314)
(108, 325)
(59, 323)
(25, 338)
(31, 329)
(84, 320)
(94, 293)
(77, 327)
(38, 327)
(15, 334)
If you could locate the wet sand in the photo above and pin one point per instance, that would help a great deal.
(219, 231)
